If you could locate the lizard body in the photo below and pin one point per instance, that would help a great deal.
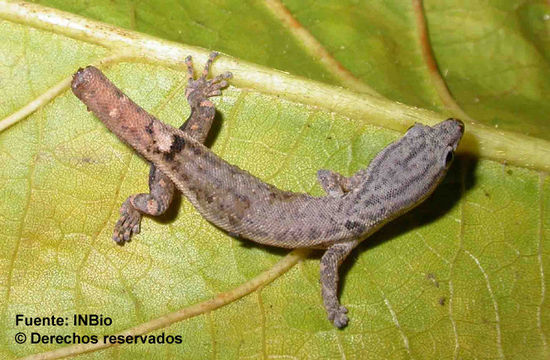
(400, 177)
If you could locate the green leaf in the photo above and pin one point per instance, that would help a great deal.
(462, 276)
(494, 56)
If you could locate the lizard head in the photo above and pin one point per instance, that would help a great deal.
(407, 171)
(436, 144)
(426, 154)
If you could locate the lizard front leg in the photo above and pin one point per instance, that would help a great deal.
(161, 188)
(330, 261)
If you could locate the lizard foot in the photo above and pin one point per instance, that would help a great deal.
(201, 89)
(338, 316)
(128, 224)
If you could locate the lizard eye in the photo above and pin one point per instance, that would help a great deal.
(449, 157)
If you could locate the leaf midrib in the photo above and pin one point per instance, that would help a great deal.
(482, 141)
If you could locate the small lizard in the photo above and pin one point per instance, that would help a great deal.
(399, 178)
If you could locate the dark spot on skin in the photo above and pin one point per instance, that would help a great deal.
(314, 233)
(244, 199)
(233, 220)
(152, 172)
(216, 183)
(210, 160)
(206, 111)
(354, 226)
(149, 127)
(178, 143)
(197, 151)
(176, 167)
(280, 196)
(159, 207)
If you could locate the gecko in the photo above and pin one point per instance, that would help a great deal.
(399, 178)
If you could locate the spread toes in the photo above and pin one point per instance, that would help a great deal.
(201, 88)
(127, 225)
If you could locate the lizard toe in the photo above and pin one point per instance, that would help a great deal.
(127, 234)
(117, 239)
(118, 236)
(127, 225)
(338, 317)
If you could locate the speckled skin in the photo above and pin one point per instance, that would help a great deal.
(400, 177)
(160, 186)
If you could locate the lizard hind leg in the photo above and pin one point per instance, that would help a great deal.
(155, 203)
(330, 261)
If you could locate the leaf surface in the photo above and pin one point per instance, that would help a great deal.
(462, 276)
(494, 57)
